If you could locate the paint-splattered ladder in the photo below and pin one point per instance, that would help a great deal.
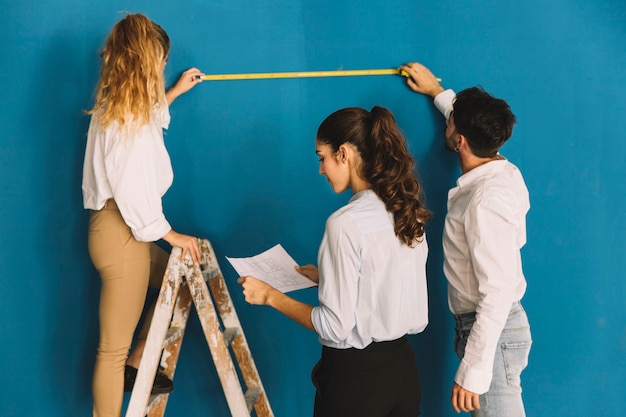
(182, 284)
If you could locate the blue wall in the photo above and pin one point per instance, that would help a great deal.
(246, 178)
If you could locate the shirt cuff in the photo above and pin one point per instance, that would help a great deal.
(472, 379)
(152, 232)
(444, 101)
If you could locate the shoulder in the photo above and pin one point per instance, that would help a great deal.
(503, 191)
(364, 214)
(506, 180)
(161, 114)
(340, 218)
(344, 220)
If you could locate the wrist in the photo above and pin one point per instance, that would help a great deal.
(172, 94)
(272, 297)
(169, 236)
(435, 91)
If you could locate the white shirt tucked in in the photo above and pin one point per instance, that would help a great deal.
(133, 169)
(372, 286)
(485, 229)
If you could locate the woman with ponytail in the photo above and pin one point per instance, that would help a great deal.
(371, 271)
(126, 172)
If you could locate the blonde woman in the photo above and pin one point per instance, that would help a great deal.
(126, 172)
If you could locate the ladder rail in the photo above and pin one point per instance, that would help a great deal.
(185, 283)
(161, 318)
(240, 345)
(171, 347)
(218, 347)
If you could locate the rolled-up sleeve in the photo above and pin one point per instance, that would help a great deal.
(133, 172)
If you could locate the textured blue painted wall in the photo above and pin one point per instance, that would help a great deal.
(246, 178)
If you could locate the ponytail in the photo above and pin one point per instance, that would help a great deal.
(385, 164)
(391, 174)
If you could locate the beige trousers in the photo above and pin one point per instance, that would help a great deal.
(127, 267)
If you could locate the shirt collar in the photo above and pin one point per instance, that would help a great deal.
(361, 194)
(481, 171)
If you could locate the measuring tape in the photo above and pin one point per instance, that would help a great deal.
(305, 74)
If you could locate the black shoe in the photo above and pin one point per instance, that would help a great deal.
(162, 384)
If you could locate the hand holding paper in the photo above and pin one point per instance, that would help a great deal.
(276, 268)
(309, 271)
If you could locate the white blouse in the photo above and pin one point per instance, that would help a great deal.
(372, 287)
(133, 169)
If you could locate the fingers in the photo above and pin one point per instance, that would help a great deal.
(193, 74)
(309, 271)
(301, 270)
(189, 79)
(464, 400)
(248, 284)
(455, 404)
(475, 402)
(421, 79)
(255, 291)
(192, 247)
(454, 398)
(194, 251)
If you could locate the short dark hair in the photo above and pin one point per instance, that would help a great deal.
(485, 121)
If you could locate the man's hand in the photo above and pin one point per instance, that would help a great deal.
(464, 400)
(421, 80)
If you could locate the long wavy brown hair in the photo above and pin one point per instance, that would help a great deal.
(385, 163)
(131, 72)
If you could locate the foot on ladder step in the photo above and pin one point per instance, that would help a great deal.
(162, 384)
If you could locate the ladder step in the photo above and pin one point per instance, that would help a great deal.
(173, 334)
(230, 334)
(251, 395)
(154, 399)
(210, 273)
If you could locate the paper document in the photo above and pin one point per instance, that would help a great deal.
(275, 267)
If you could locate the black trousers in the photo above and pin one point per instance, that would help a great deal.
(381, 380)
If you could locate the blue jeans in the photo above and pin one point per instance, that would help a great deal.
(504, 398)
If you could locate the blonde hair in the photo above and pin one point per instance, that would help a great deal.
(131, 72)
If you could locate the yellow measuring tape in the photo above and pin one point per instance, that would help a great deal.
(305, 74)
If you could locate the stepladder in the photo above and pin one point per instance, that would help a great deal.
(202, 286)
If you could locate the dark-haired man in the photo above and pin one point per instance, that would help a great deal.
(485, 228)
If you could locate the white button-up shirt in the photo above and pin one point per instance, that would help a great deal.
(485, 229)
(133, 169)
(372, 286)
